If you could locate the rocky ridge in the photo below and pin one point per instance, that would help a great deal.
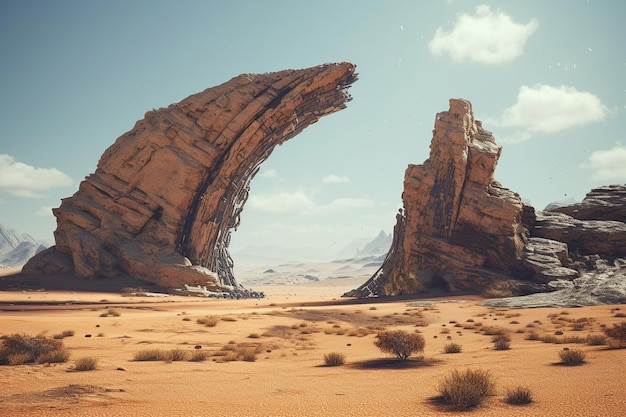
(461, 230)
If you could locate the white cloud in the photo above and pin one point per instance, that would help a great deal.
(348, 203)
(44, 211)
(280, 202)
(23, 180)
(335, 179)
(547, 109)
(608, 165)
(269, 173)
(486, 38)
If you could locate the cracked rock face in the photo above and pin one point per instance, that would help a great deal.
(166, 195)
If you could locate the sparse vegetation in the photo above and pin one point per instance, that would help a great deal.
(464, 390)
(616, 335)
(86, 363)
(64, 334)
(519, 396)
(572, 357)
(452, 348)
(20, 349)
(161, 355)
(208, 321)
(334, 359)
(596, 339)
(111, 312)
(400, 343)
(502, 342)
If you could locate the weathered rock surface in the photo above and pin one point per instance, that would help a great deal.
(605, 284)
(603, 203)
(461, 230)
(165, 196)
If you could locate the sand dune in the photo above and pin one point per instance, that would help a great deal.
(291, 331)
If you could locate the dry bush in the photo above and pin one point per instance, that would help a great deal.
(20, 349)
(334, 359)
(161, 355)
(467, 389)
(452, 348)
(400, 343)
(64, 334)
(493, 330)
(111, 312)
(208, 321)
(229, 318)
(596, 339)
(572, 357)
(198, 356)
(616, 335)
(519, 396)
(86, 363)
(502, 342)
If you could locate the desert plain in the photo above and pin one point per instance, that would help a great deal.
(265, 357)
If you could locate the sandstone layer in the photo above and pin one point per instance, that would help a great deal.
(460, 230)
(165, 196)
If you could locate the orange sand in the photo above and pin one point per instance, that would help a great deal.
(288, 377)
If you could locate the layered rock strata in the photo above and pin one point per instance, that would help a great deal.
(459, 228)
(166, 195)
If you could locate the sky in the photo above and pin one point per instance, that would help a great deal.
(546, 77)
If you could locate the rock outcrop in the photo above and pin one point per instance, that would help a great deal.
(166, 195)
(461, 230)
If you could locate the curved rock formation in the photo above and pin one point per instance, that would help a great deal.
(460, 229)
(166, 194)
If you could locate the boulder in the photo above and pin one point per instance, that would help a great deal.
(603, 203)
(165, 196)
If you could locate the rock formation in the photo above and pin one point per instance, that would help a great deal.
(165, 196)
(460, 230)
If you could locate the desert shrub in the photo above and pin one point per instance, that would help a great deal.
(19, 349)
(64, 334)
(86, 364)
(467, 389)
(519, 396)
(247, 354)
(334, 359)
(111, 312)
(254, 335)
(400, 343)
(452, 348)
(198, 356)
(616, 334)
(149, 355)
(209, 321)
(596, 339)
(229, 318)
(502, 342)
(161, 355)
(572, 357)
(493, 331)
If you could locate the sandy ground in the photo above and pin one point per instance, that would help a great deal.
(291, 330)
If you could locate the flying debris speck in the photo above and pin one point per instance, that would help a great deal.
(589, 49)
(401, 27)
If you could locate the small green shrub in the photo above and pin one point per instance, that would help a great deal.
(464, 390)
(86, 364)
(334, 359)
(519, 396)
(452, 348)
(400, 343)
(572, 357)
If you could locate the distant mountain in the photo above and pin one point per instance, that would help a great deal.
(16, 248)
(380, 245)
(560, 203)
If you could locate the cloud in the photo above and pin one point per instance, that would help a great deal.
(486, 38)
(269, 173)
(44, 211)
(335, 179)
(21, 180)
(341, 204)
(281, 202)
(547, 109)
(608, 165)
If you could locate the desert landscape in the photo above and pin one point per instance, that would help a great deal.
(267, 356)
